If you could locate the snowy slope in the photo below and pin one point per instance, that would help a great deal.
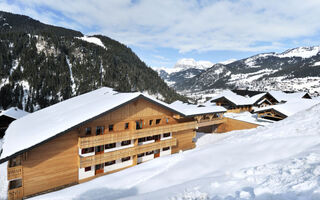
(93, 40)
(279, 162)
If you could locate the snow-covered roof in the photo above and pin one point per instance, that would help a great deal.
(59, 118)
(191, 110)
(13, 112)
(291, 107)
(256, 97)
(282, 96)
(233, 97)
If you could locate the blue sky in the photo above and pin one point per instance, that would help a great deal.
(164, 31)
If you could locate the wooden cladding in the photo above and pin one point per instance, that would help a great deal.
(92, 141)
(16, 193)
(203, 123)
(114, 155)
(14, 172)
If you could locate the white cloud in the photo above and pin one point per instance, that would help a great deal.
(187, 25)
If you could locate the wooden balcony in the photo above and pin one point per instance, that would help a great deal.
(208, 122)
(114, 155)
(14, 172)
(15, 194)
(92, 141)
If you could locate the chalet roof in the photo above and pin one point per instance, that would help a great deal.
(233, 98)
(192, 110)
(60, 118)
(282, 96)
(248, 93)
(291, 107)
(13, 112)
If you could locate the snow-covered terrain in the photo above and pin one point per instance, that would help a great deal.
(277, 162)
(93, 40)
(292, 70)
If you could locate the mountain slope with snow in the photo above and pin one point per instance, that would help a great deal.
(293, 70)
(280, 161)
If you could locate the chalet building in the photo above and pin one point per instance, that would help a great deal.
(8, 116)
(94, 134)
(282, 111)
(263, 100)
(283, 97)
(232, 102)
(208, 118)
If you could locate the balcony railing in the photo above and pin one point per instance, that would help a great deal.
(92, 141)
(14, 172)
(208, 122)
(114, 155)
(16, 193)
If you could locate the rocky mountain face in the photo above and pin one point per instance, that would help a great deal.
(293, 70)
(42, 64)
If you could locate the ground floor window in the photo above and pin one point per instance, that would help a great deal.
(165, 148)
(149, 153)
(125, 159)
(87, 169)
(110, 163)
(140, 155)
(15, 184)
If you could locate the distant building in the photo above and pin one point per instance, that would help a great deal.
(284, 110)
(8, 116)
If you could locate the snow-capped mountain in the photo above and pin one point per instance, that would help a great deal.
(184, 69)
(293, 70)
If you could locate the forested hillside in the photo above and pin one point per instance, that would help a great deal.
(42, 64)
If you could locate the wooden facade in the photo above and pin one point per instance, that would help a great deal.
(233, 124)
(118, 138)
(271, 114)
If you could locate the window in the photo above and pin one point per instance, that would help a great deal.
(15, 162)
(125, 159)
(15, 184)
(87, 169)
(167, 120)
(140, 155)
(150, 122)
(149, 153)
(99, 130)
(88, 131)
(87, 150)
(111, 127)
(99, 149)
(110, 146)
(124, 143)
(166, 135)
(150, 138)
(158, 121)
(126, 125)
(139, 124)
(141, 139)
(100, 166)
(166, 149)
(110, 163)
